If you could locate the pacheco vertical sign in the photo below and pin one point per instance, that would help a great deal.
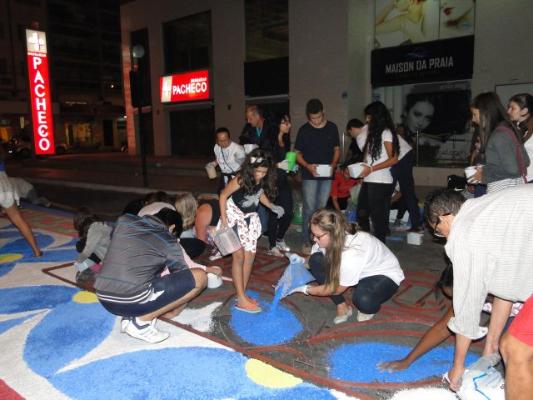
(39, 84)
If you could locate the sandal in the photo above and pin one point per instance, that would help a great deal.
(249, 309)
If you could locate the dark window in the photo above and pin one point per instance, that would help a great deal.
(3, 66)
(34, 3)
(187, 43)
(191, 132)
(267, 29)
(266, 70)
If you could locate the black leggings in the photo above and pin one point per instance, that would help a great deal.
(277, 228)
(374, 202)
(368, 295)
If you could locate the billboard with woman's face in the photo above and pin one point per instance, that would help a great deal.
(399, 22)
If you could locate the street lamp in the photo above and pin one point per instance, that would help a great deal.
(137, 52)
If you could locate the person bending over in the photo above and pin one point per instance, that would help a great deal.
(130, 284)
(340, 261)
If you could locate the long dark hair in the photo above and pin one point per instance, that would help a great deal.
(380, 120)
(491, 114)
(524, 100)
(258, 158)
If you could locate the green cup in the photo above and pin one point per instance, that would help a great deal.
(291, 158)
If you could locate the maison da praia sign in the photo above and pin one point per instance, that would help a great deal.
(39, 84)
(190, 86)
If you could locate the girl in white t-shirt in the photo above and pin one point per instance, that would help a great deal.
(340, 260)
(381, 153)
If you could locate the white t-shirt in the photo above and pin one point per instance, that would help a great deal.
(382, 175)
(230, 158)
(365, 256)
(529, 149)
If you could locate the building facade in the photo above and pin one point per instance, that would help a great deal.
(326, 50)
(83, 39)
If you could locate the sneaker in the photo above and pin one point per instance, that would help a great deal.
(362, 317)
(274, 251)
(124, 323)
(146, 332)
(343, 318)
(419, 229)
(282, 246)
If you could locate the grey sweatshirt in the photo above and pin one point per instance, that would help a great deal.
(140, 248)
(500, 156)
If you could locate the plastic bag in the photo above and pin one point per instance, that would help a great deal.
(482, 381)
(295, 275)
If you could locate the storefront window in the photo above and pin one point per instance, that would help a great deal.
(266, 70)
(435, 118)
(192, 132)
(187, 43)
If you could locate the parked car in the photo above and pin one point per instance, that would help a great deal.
(20, 148)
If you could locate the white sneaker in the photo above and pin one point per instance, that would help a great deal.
(343, 318)
(124, 324)
(362, 317)
(147, 332)
(282, 246)
(274, 251)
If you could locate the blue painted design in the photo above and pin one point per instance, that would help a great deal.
(20, 246)
(67, 333)
(30, 298)
(6, 325)
(196, 373)
(270, 327)
(358, 362)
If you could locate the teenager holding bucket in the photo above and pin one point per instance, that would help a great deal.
(255, 183)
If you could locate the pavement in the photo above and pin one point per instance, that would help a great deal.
(106, 182)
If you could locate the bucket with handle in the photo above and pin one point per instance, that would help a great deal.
(211, 171)
(227, 241)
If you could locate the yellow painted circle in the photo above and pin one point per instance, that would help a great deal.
(268, 376)
(10, 257)
(85, 297)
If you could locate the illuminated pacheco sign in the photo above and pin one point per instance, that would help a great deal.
(39, 84)
(190, 86)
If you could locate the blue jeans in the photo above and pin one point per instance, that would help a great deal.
(315, 194)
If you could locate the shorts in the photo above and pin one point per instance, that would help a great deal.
(522, 326)
(165, 290)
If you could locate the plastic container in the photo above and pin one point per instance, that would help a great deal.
(211, 171)
(291, 158)
(415, 238)
(355, 169)
(323, 170)
(213, 280)
(227, 241)
(248, 148)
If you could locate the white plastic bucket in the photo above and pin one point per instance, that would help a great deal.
(227, 241)
(355, 169)
(211, 171)
(323, 170)
(213, 280)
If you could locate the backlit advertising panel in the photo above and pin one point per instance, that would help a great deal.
(190, 86)
(39, 84)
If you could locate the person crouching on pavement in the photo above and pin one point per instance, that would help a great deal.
(130, 284)
(340, 260)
